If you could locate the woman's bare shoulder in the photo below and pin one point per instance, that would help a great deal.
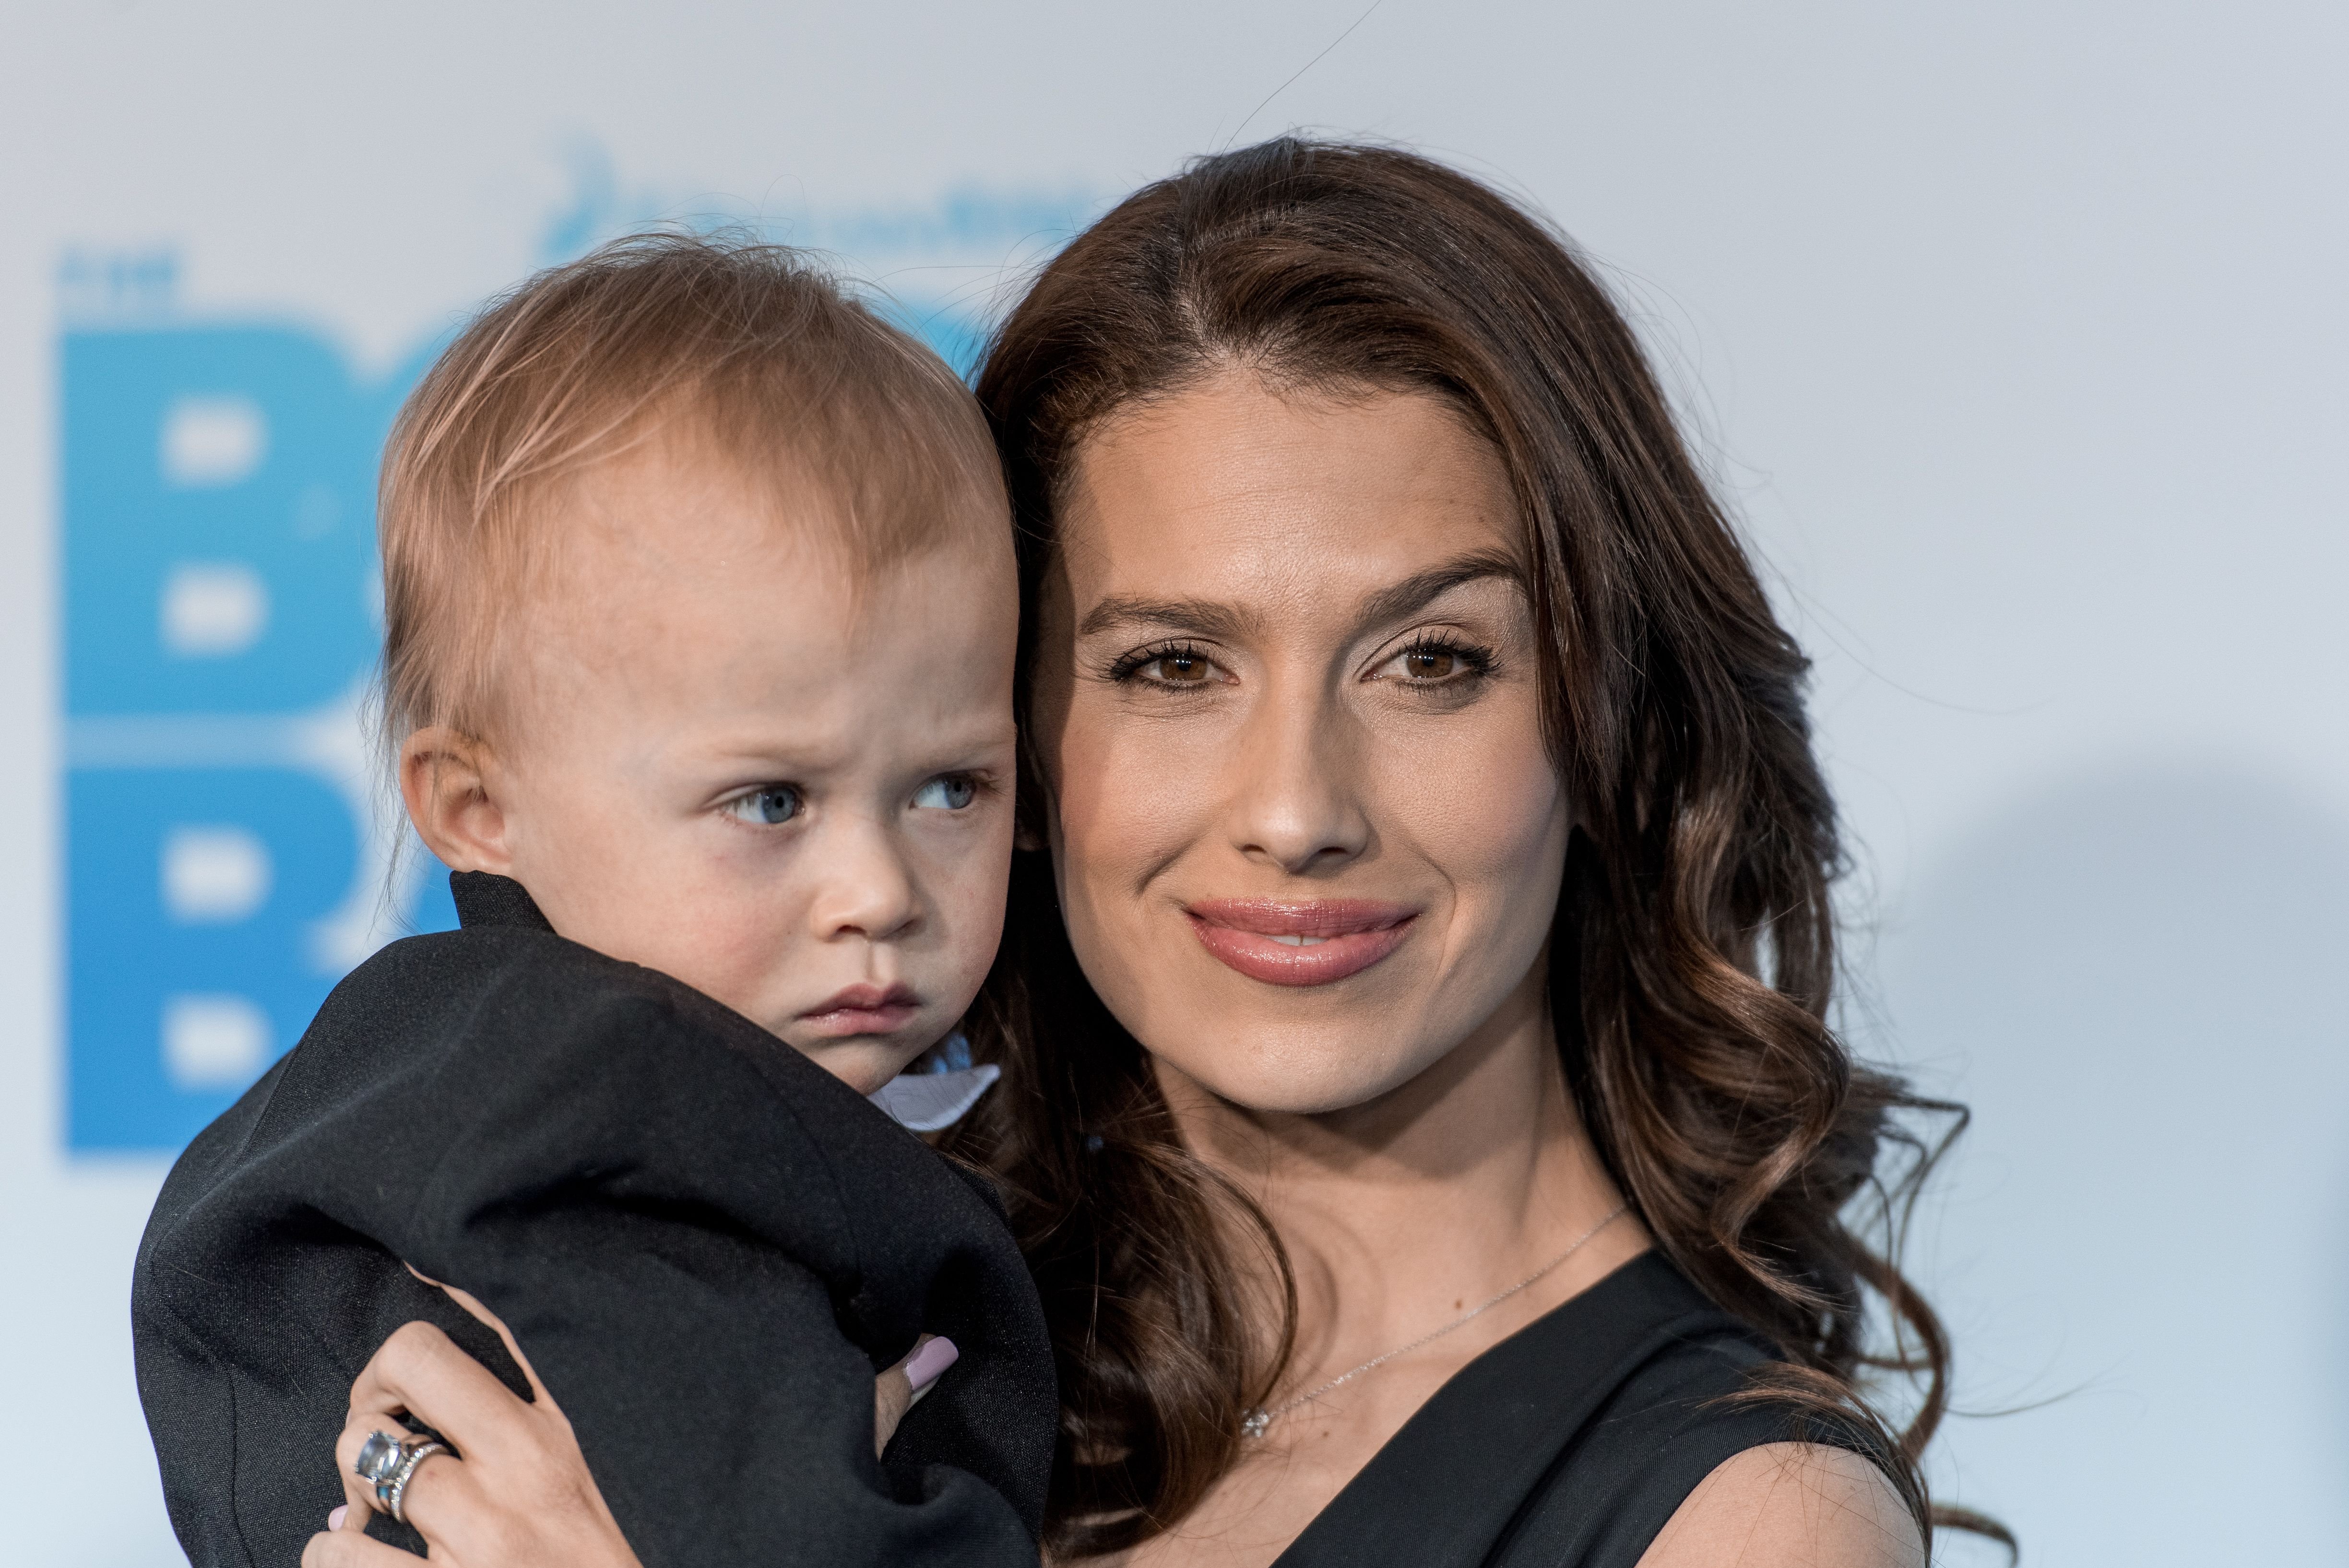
(1790, 1505)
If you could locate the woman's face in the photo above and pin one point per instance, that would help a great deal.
(1308, 839)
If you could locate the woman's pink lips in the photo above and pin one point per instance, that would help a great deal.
(1343, 936)
(863, 1010)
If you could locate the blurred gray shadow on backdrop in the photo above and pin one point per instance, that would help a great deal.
(2135, 980)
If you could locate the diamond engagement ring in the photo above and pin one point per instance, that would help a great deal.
(387, 1463)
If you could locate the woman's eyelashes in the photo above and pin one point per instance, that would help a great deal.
(1426, 662)
(769, 806)
(1171, 667)
(1436, 662)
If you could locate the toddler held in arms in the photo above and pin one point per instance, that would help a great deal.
(700, 610)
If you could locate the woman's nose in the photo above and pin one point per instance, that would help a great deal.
(1294, 804)
(867, 888)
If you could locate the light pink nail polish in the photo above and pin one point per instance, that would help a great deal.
(335, 1520)
(931, 1361)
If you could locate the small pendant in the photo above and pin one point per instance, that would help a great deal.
(1254, 1423)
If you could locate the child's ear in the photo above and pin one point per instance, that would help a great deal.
(446, 779)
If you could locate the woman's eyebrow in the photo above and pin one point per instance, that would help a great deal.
(1204, 617)
(1199, 618)
(1416, 592)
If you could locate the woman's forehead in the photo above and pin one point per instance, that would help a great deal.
(1233, 490)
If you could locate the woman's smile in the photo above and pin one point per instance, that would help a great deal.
(1313, 941)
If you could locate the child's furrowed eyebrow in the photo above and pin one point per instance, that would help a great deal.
(751, 759)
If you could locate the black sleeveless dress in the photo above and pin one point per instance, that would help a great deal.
(1569, 1444)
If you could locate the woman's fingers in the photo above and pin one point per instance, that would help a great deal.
(896, 1390)
(358, 1427)
(350, 1549)
(893, 1396)
(445, 1506)
(428, 1482)
(441, 1499)
(421, 1370)
(419, 1378)
(517, 1492)
(496, 1324)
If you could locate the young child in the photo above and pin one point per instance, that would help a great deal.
(700, 612)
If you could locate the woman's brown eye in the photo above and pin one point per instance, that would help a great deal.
(1430, 663)
(1180, 669)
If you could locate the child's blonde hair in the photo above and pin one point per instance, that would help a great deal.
(763, 353)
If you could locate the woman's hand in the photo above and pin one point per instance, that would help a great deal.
(521, 1496)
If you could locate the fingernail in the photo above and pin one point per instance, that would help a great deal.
(928, 1364)
(335, 1520)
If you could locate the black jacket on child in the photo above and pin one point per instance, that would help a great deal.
(705, 1244)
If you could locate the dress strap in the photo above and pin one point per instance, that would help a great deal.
(1447, 1486)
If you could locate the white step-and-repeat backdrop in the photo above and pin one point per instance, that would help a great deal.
(2016, 334)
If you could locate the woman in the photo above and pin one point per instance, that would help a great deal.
(1417, 1111)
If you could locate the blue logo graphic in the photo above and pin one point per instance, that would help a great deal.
(225, 861)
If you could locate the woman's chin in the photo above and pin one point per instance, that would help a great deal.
(1290, 1077)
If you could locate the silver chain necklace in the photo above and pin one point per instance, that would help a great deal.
(1259, 1422)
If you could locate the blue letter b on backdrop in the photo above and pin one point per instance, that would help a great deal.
(220, 621)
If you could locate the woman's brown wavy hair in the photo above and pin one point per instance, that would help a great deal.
(1693, 945)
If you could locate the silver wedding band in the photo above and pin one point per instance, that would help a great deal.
(389, 1463)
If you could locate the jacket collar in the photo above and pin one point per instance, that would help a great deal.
(486, 898)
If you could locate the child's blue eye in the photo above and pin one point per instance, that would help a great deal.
(767, 806)
(950, 792)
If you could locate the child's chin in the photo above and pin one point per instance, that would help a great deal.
(861, 1062)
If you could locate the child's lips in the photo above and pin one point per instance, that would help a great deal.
(1309, 943)
(863, 1010)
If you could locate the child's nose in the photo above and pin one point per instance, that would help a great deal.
(869, 889)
